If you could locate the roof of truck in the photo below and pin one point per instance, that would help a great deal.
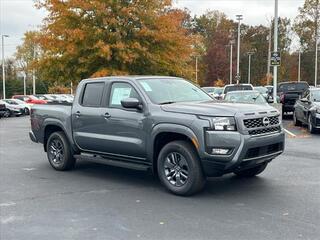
(133, 77)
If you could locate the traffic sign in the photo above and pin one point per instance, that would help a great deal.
(275, 59)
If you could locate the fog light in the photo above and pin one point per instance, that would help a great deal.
(220, 151)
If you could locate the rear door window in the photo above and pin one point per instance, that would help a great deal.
(92, 94)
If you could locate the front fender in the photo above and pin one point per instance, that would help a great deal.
(173, 128)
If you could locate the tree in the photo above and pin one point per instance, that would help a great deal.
(307, 23)
(81, 39)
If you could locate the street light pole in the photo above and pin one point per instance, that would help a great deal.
(231, 58)
(239, 18)
(316, 57)
(24, 84)
(33, 72)
(299, 67)
(275, 68)
(196, 69)
(249, 67)
(3, 68)
(269, 38)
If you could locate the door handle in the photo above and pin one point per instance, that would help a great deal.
(107, 115)
(78, 114)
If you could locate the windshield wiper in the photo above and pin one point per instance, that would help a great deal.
(166, 103)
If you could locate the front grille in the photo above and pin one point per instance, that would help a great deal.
(258, 122)
(318, 122)
(264, 150)
(265, 130)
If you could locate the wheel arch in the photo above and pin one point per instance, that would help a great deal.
(163, 134)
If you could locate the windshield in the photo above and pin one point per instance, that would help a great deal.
(237, 88)
(245, 97)
(208, 89)
(316, 96)
(10, 102)
(292, 87)
(261, 90)
(218, 91)
(165, 90)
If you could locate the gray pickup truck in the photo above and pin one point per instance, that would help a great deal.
(163, 124)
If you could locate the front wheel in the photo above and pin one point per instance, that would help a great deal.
(251, 172)
(179, 168)
(311, 128)
(7, 113)
(59, 152)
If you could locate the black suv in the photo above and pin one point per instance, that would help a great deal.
(289, 93)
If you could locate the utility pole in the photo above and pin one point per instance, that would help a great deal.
(33, 71)
(196, 69)
(299, 67)
(269, 38)
(275, 68)
(316, 55)
(231, 60)
(3, 68)
(24, 84)
(249, 67)
(239, 18)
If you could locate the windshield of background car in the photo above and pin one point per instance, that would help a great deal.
(293, 87)
(240, 97)
(315, 95)
(261, 90)
(218, 91)
(172, 90)
(208, 89)
(237, 88)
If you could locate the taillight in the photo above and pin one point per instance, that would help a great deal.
(282, 98)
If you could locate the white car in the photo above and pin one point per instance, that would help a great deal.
(236, 87)
(13, 109)
(26, 106)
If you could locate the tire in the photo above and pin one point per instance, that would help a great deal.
(311, 128)
(7, 113)
(295, 120)
(26, 111)
(251, 172)
(59, 152)
(179, 168)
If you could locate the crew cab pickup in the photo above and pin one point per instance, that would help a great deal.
(289, 93)
(163, 124)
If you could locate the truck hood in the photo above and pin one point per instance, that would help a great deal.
(213, 108)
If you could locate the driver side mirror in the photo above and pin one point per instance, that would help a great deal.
(131, 103)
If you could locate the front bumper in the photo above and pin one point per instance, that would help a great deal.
(247, 151)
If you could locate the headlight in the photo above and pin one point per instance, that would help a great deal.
(221, 123)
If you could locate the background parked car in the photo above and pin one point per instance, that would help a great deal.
(2, 109)
(26, 107)
(12, 109)
(215, 92)
(307, 110)
(251, 97)
(289, 93)
(236, 87)
(29, 99)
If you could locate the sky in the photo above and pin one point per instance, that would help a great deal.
(19, 16)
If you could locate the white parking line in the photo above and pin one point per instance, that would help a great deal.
(290, 133)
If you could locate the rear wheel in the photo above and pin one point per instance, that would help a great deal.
(59, 152)
(251, 172)
(179, 168)
(26, 111)
(295, 119)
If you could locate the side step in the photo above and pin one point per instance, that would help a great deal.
(111, 162)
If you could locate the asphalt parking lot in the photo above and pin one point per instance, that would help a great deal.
(101, 202)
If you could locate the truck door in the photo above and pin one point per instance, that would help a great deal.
(124, 133)
(87, 122)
